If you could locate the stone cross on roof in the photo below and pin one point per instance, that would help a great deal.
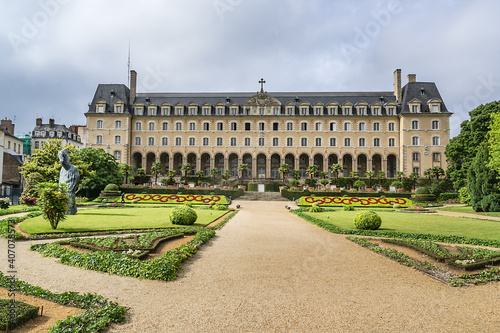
(262, 85)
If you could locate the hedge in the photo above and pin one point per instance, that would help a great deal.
(292, 194)
(176, 199)
(23, 313)
(230, 193)
(447, 196)
(354, 201)
(252, 187)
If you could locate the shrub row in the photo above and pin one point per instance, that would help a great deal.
(447, 196)
(24, 312)
(333, 201)
(199, 199)
(233, 193)
(100, 311)
(292, 194)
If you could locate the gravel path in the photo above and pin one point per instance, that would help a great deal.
(269, 271)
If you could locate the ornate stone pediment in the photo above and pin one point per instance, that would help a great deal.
(261, 99)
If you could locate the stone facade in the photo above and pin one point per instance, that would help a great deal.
(402, 130)
(43, 132)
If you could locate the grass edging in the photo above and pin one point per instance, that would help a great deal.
(392, 234)
(23, 313)
(99, 310)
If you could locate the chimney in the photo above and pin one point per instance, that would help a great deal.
(72, 129)
(412, 78)
(7, 124)
(51, 122)
(38, 121)
(397, 84)
(133, 86)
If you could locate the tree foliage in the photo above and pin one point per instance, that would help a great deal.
(103, 167)
(494, 141)
(53, 202)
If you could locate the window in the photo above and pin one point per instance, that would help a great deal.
(261, 111)
(347, 111)
(220, 111)
(164, 126)
(391, 127)
(165, 111)
(331, 111)
(436, 157)
(289, 142)
(100, 108)
(192, 111)
(232, 142)
(318, 111)
(178, 141)
(261, 126)
(220, 126)
(192, 141)
(261, 142)
(118, 109)
(234, 126)
(137, 141)
(390, 111)
(179, 111)
(178, 126)
(303, 126)
(206, 111)
(151, 141)
(219, 141)
(304, 111)
(205, 141)
(164, 141)
(415, 141)
(151, 126)
(98, 139)
(192, 126)
(361, 111)
(275, 142)
(152, 111)
(417, 171)
(415, 157)
(118, 139)
(303, 142)
(414, 124)
(289, 126)
(376, 142)
(289, 111)
(206, 126)
(375, 111)
(435, 124)
(276, 111)
(248, 126)
(392, 142)
(347, 142)
(333, 142)
(333, 127)
(376, 127)
(247, 142)
(138, 111)
(318, 142)
(414, 108)
(37, 144)
(51, 133)
(435, 140)
(361, 126)
(117, 154)
(362, 142)
(317, 126)
(99, 124)
(234, 111)
(275, 126)
(435, 108)
(347, 127)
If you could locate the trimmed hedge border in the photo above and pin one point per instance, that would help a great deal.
(24, 312)
(324, 201)
(393, 234)
(100, 311)
(291, 194)
(176, 199)
(233, 194)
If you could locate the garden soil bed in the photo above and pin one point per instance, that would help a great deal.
(52, 312)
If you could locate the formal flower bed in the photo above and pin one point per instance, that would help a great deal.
(176, 198)
(354, 201)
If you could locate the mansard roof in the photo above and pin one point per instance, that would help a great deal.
(110, 93)
(423, 91)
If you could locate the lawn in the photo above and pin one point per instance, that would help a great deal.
(468, 209)
(419, 223)
(116, 219)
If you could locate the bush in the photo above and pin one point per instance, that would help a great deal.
(423, 197)
(447, 196)
(397, 184)
(396, 206)
(422, 190)
(252, 188)
(463, 195)
(367, 220)
(349, 208)
(183, 215)
(111, 187)
(219, 207)
(4, 203)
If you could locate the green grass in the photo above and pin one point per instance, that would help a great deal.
(116, 219)
(468, 209)
(419, 223)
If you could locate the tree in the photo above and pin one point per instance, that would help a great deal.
(428, 173)
(126, 169)
(171, 174)
(359, 183)
(413, 178)
(483, 183)
(494, 143)
(44, 166)
(380, 176)
(53, 201)
(437, 171)
(370, 174)
(155, 170)
(400, 175)
(199, 174)
(214, 173)
(323, 174)
(354, 175)
(185, 167)
(337, 168)
(284, 169)
(104, 169)
(296, 174)
(140, 176)
(243, 168)
(324, 181)
(226, 174)
(312, 170)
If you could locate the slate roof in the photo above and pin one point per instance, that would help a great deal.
(423, 91)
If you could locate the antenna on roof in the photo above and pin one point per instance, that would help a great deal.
(128, 62)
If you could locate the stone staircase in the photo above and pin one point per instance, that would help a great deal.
(263, 196)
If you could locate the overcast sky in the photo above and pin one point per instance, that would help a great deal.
(55, 52)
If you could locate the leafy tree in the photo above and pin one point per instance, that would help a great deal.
(337, 168)
(312, 170)
(199, 174)
(323, 174)
(359, 183)
(284, 169)
(53, 202)
(463, 148)
(294, 182)
(296, 174)
(413, 178)
(354, 175)
(185, 167)
(44, 166)
(400, 175)
(214, 173)
(437, 171)
(243, 168)
(140, 176)
(380, 176)
(494, 141)
(428, 173)
(156, 170)
(226, 174)
(370, 174)
(126, 170)
(324, 181)
(482, 183)
(397, 184)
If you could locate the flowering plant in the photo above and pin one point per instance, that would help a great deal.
(28, 201)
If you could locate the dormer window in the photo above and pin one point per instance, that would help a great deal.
(361, 111)
(318, 111)
(192, 111)
(220, 111)
(165, 111)
(276, 111)
(390, 111)
(206, 111)
(414, 108)
(375, 111)
(178, 111)
(118, 109)
(100, 108)
(261, 111)
(289, 111)
(52, 134)
(303, 111)
(234, 111)
(138, 111)
(152, 111)
(347, 111)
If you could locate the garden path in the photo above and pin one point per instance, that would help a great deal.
(269, 271)
(469, 215)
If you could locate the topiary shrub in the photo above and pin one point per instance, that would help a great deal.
(422, 190)
(396, 206)
(219, 207)
(183, 215)
(348, 208)
(111, 190)
(111, 187)
(367, 220)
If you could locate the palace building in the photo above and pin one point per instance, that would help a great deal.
(406, 129)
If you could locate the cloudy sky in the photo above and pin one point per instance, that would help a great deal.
(55, 52)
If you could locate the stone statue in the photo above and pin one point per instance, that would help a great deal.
(69, 175)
